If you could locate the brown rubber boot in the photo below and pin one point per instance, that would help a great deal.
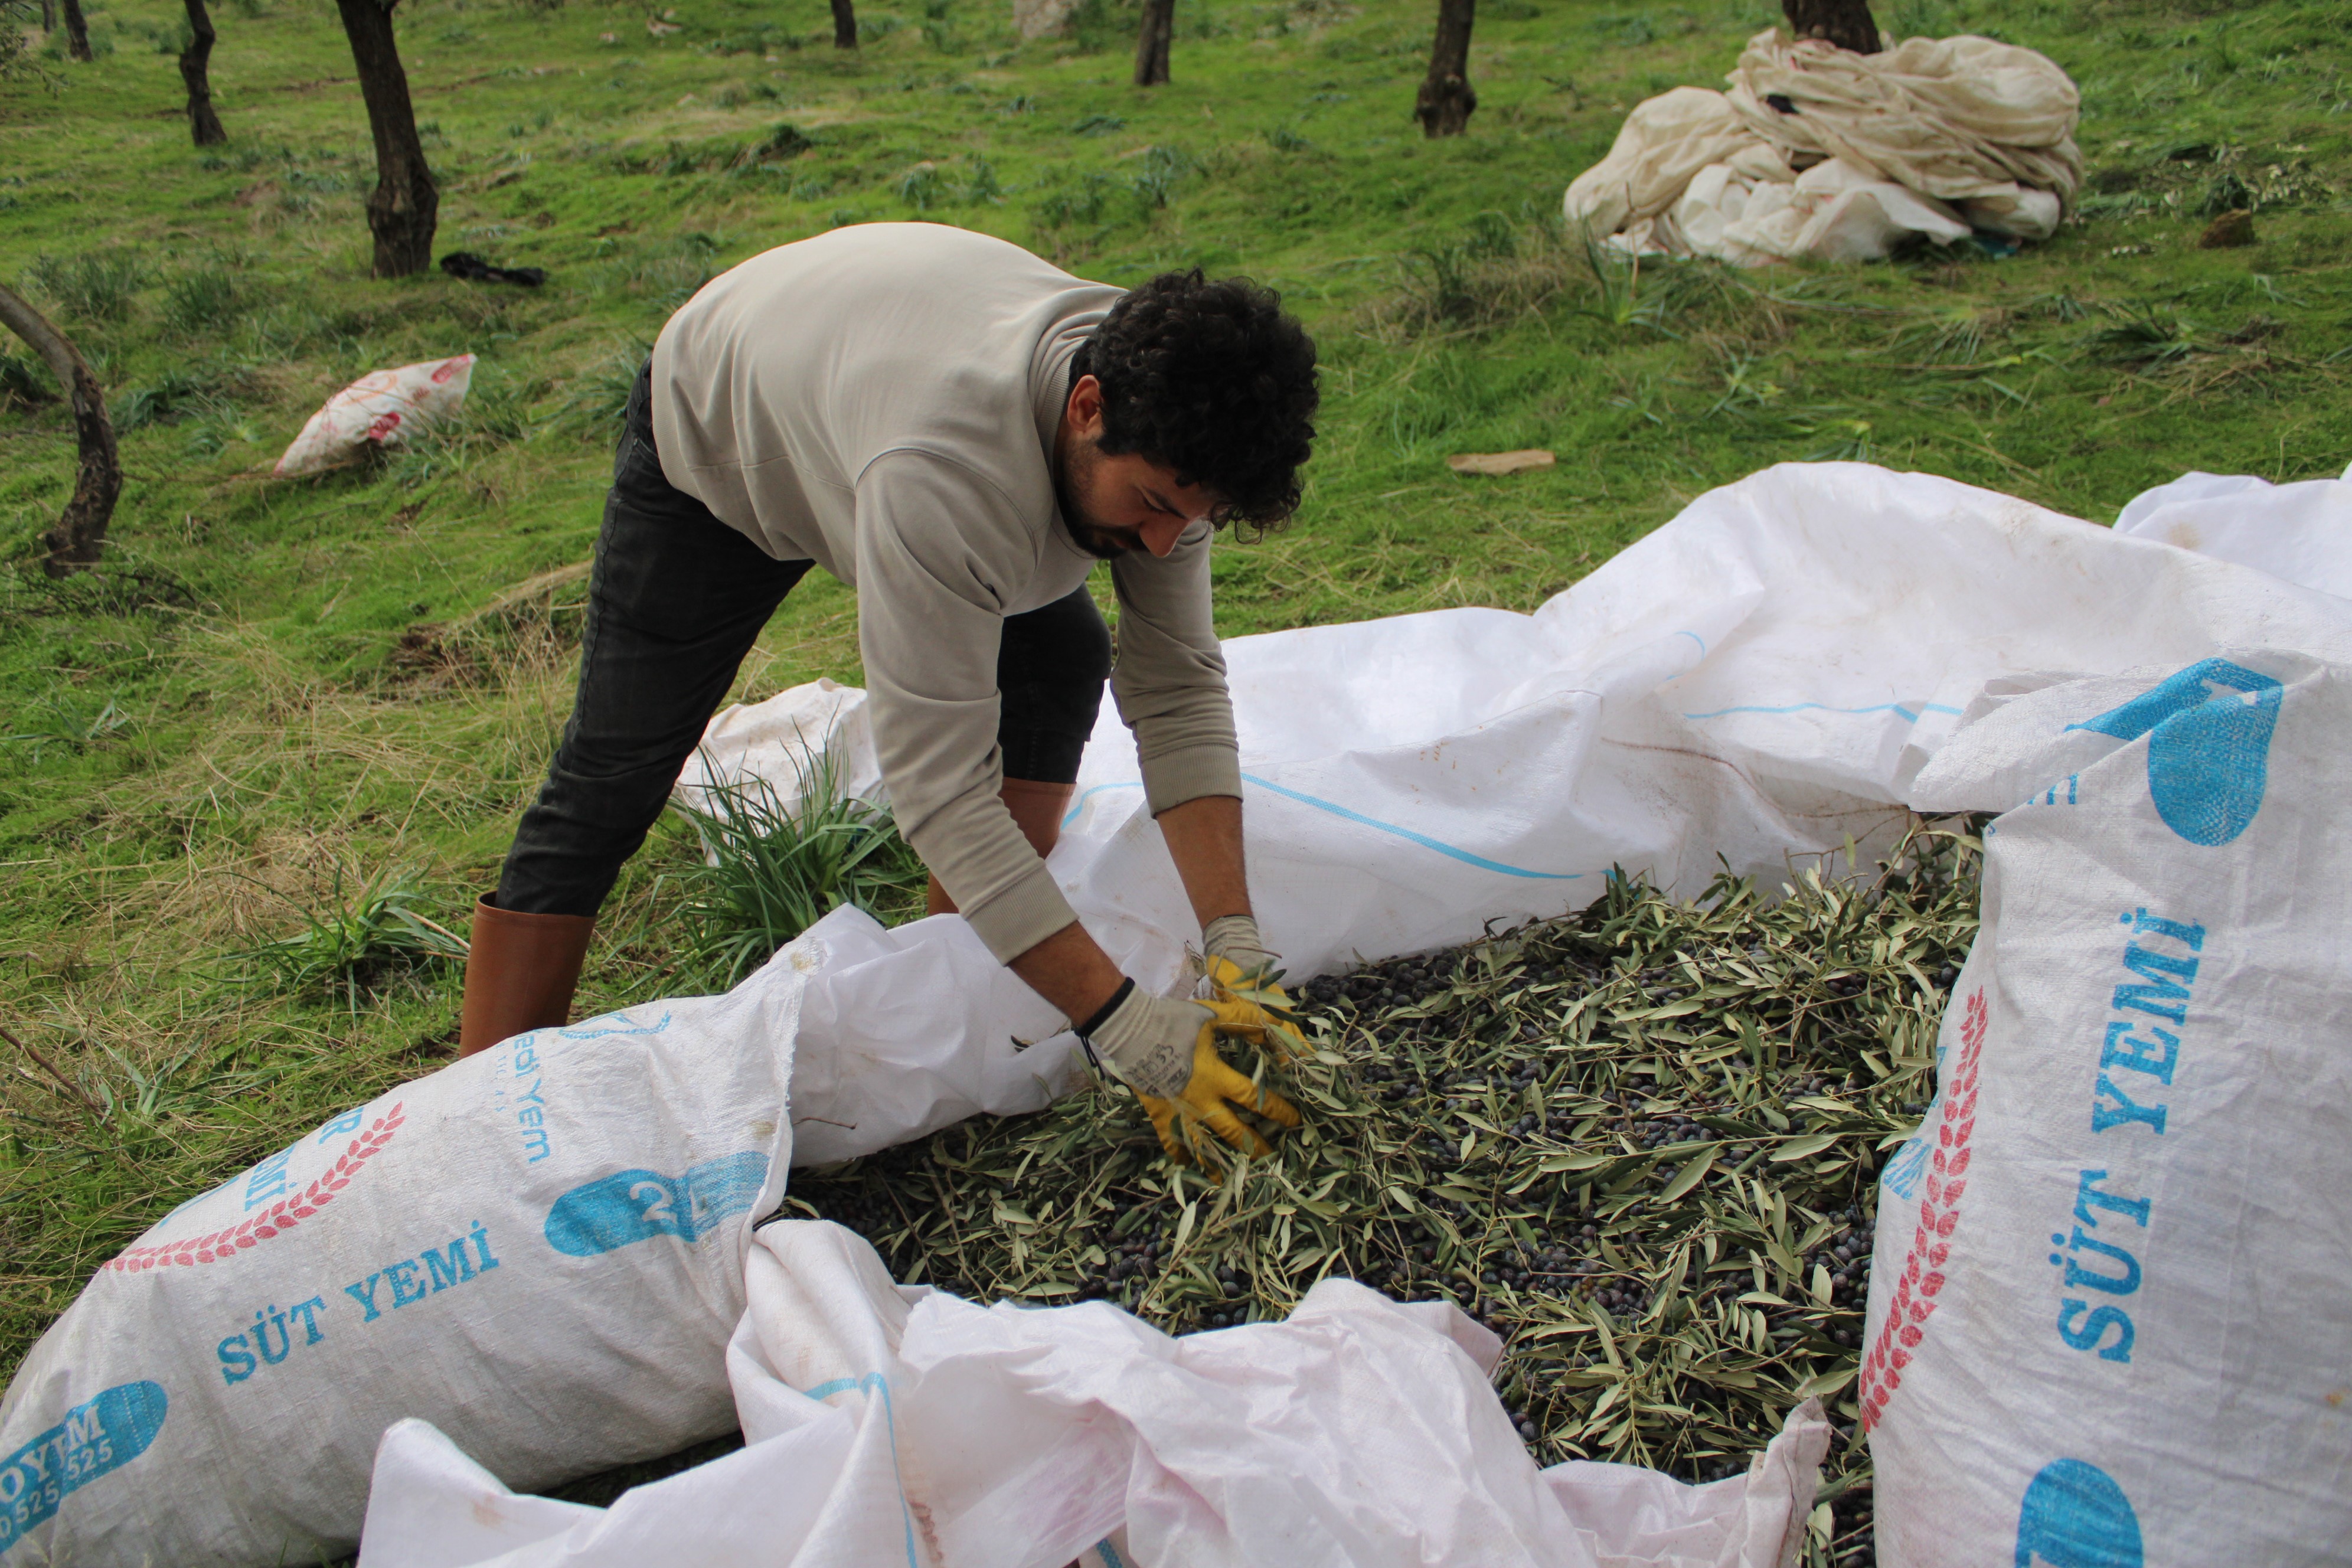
(1036, 810)
(521, 974)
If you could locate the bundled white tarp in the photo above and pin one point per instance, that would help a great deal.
(1764, 679)
(1817, 151)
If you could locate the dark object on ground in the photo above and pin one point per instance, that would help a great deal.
(465, 263)
(2227, 231)
(402, 209)
(844, 24)
(79, 533)
(1848, 24)
(1152, 42)
(1445, 100)
(195, 62)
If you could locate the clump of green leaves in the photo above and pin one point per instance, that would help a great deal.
(209, 296)
(775, 867)
(597, 399)
(352, 943)
(96, 286)
(2143, 336)
(1640, 1142)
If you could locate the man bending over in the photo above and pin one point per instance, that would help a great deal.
(960, 431)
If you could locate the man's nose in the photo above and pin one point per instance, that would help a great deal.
(1160, 535)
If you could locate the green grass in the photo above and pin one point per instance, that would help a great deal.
(278, 690)
(776, 866)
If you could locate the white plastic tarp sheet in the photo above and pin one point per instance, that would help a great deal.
(1753, 686)
(2301, 532)
(890, 1425)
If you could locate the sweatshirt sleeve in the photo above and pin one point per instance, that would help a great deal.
(1169, 679)
(930, 619)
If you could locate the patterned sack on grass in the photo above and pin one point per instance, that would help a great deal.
(541, 1247)
(2111, 1319)
(384, 406)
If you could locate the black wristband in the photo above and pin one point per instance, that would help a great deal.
(1102, 1014)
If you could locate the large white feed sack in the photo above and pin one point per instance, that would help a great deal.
(541, 1247)
(2111, 1320)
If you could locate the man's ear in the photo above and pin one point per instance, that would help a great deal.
(1084, 409)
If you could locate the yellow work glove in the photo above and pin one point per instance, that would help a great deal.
(1241, 968)
(1166, 1050)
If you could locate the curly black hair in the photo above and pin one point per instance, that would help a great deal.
(1210, 379)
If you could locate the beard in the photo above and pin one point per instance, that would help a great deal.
(1087, 532)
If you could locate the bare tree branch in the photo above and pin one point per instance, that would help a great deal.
(50, 1067)
(79, 534)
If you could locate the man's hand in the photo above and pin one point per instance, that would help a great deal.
(1167, 1052)
(1242, 969)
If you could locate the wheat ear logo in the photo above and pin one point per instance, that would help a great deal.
(1939, 1215)
(279, 1217)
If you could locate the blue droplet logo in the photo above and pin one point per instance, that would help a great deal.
(2075, 1516)
(630, 1206)
(2209, 747)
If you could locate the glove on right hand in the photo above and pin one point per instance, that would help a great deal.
(1165, 1051)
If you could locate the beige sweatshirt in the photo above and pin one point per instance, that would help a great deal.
(883, 400)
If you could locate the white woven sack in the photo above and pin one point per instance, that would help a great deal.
(2111, 1319)
(539, 1248)
(384, 406)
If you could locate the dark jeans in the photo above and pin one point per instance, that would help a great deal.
(675, 601)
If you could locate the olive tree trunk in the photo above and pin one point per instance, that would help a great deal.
(401, 209)
(79, 533)
(196, 70)
(1445, 100)
(1848, 24)
(1152, 42)
(48, 16)
(77, 31)
(845, 24)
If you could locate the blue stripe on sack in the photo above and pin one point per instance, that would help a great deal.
(880, 1385)
(1080, 805)
(1423, 839)
(1336, 809)
(1910, 714)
